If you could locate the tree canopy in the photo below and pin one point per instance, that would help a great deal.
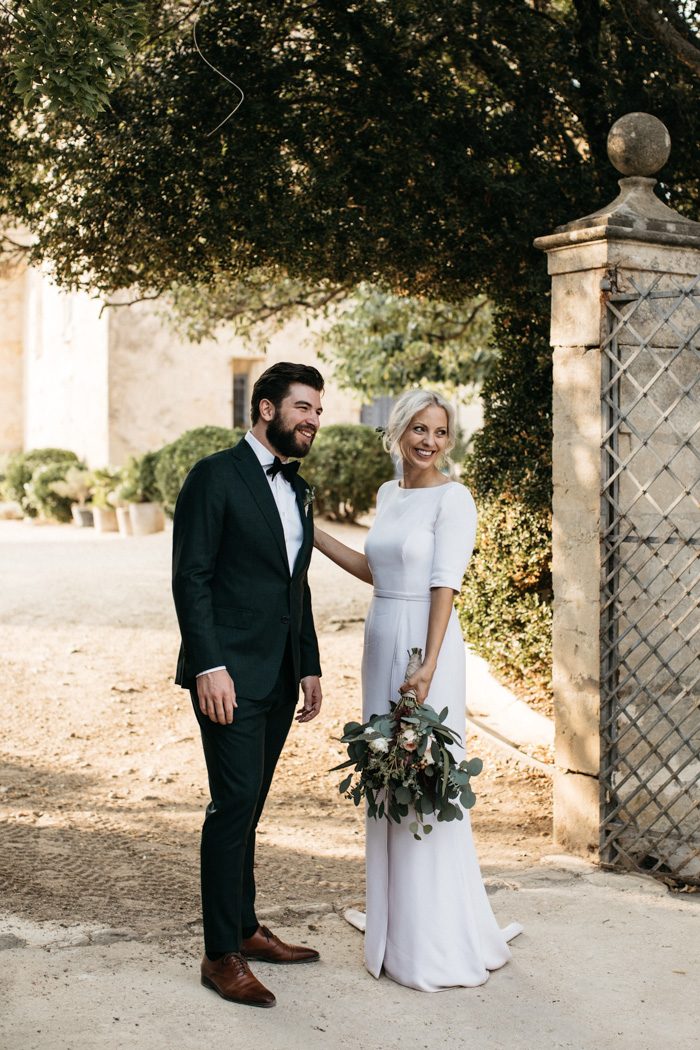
(384, 344)
(411, 143)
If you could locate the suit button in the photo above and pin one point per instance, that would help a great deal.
(285, 619)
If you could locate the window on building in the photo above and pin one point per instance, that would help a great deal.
(377, 413)
(241, 401)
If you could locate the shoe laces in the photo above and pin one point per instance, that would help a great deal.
(235, 962)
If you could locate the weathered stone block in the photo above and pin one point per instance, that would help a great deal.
(576, 812)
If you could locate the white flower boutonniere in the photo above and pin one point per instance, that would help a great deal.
(309, 497)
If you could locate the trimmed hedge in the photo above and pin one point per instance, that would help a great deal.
(505, 604)
(346, 465)
(20, 468)
(174, 461)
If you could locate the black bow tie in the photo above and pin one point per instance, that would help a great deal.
(287, 470)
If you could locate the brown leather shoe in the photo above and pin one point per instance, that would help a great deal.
(266, 947)
(231, 977)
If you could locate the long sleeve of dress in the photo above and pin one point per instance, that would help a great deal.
(455, 532)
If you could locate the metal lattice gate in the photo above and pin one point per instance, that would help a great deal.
(650, 600)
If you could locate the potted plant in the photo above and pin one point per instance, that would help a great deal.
(77, 487)
(104, 481)
(140, 491)
(119, 499)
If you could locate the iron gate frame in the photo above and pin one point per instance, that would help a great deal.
(620, 309)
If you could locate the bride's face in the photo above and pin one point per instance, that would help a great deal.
(425, 438)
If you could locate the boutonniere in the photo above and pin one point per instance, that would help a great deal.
(309, 497)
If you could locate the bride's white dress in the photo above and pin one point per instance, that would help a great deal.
(429, 922)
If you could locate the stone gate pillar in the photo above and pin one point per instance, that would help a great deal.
(624, 245)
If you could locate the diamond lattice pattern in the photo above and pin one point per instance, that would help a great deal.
(650, 651)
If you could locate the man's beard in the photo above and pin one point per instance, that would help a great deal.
(285, 440)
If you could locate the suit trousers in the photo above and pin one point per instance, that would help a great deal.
(241, 759)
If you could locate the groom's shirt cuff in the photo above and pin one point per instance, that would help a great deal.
(221, 667)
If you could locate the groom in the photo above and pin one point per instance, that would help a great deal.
(242, 541)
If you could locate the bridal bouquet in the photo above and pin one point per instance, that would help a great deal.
(403, 762)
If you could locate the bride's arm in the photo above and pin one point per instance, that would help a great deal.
(351, 560)
(441, 599)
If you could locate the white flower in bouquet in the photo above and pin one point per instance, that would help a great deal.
(380, 743)
(409, 740)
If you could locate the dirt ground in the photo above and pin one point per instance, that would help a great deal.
(102, 780)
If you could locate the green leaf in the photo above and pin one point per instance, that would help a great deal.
(345, 784)
(445, 771)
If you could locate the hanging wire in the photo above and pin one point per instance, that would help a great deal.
(218, 71)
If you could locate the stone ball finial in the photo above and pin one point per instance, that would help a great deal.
(638, 144)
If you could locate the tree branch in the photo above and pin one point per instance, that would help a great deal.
(661, 29)
(130, 302)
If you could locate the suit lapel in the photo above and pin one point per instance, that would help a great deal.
(253, 475)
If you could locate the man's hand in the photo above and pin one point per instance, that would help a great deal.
(311, 688)
(217, 696)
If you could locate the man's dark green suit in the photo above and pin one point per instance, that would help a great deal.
(239, 606)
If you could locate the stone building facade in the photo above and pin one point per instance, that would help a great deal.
(108, 382)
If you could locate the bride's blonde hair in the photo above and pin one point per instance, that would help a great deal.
(406, 407)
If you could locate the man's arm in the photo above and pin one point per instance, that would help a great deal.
(197, 527)
(310, 663)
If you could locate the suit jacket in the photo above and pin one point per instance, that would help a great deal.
(235, 599)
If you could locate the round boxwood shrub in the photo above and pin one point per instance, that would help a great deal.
(175, 460)
(43, 498)
(21, 467)
(346, 465)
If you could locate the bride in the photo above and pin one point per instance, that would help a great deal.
(429, 923)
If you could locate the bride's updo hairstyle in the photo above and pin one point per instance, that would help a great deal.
(406, 407)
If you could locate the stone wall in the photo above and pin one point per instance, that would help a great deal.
(11, 364)
(65, 371)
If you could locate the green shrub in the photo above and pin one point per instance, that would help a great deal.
(175, 460)
(21, 467)
(346, 466)
(137, 482)
(104, 481)
(505, 603)
(4, 460)
(505, 607)
(77, 486)
(41, 496)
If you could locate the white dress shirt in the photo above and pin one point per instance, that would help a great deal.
(286, 501)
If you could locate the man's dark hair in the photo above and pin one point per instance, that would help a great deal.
(273, 385)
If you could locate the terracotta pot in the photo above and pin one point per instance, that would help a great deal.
(146, 518)
(105, 519)
(82, 516)
(124, 521)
